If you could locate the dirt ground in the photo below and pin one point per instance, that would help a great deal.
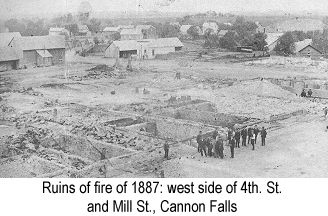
(55, 121)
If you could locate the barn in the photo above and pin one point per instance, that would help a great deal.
(306, 49)
(310, 51)
(9, 59)
(143, 49)
(42, 50)
(10, 52)
(163, 46)
(124, 48)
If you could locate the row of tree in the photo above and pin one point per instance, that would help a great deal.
(41, 26)
(241, 33)
(27, 27)
(286, 44)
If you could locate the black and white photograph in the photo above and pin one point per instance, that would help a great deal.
(163, 89)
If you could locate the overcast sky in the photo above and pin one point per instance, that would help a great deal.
(53, 6)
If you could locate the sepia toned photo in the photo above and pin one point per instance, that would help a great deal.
(163, 88)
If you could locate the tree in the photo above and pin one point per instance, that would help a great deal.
(228, 41)
(35, 28)
(96, 40)
(211, 39)
(245, 30)
(286, 44)
(325, 20)
(94, 25)
(72, 28)
(194, 32)
(15, 26)
(259, 42)
(300, 35)
(166, 30)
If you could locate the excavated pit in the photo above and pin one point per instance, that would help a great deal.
(205, 113)
(26, 166)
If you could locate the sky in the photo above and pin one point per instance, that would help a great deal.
(12, 7)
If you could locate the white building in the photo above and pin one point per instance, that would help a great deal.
(272, 40)
(143, 49)
(58, 31)
(184, 29)
(131, 34)
(210, 25)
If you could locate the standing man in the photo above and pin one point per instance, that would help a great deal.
(209, 146)
(256, 132)
(199, 140)
(232, 144)
(310, 93)
(237, 138)
(216, 147)
(203, 147)
(263, 136)
(166, 150)
(252, 136)
(325, 111)
(244, 136)
(215, 133)
(249, 133)
(220, 146)
(229, 134)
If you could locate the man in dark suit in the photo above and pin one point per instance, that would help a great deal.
(263, 135)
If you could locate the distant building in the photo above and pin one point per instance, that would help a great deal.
(184, 29)
(260, 28)
(111, 33)
(272, 40)
(131, 34)
(58, 31)
(227, 24)
(143, 49)
(42, 50)
(175, 24)
(111, 29)
(83, 30)
(222, 33)
(297, 24)
(148, 31)
(304, 48)
(121, 27)
(210, 25)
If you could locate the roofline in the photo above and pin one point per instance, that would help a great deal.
(312, 47)
(43, 49)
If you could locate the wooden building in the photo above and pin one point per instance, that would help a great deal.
(9, 59)
(143, 49)
(42, 50)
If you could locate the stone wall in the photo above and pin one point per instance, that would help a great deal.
(286, 115)
(178, 130)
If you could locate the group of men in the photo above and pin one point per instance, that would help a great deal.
(247, 136)
(309, 93)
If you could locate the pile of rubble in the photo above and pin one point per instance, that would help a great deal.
(30, 91)
(100, 71)
(27, 142)
(109, 135)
